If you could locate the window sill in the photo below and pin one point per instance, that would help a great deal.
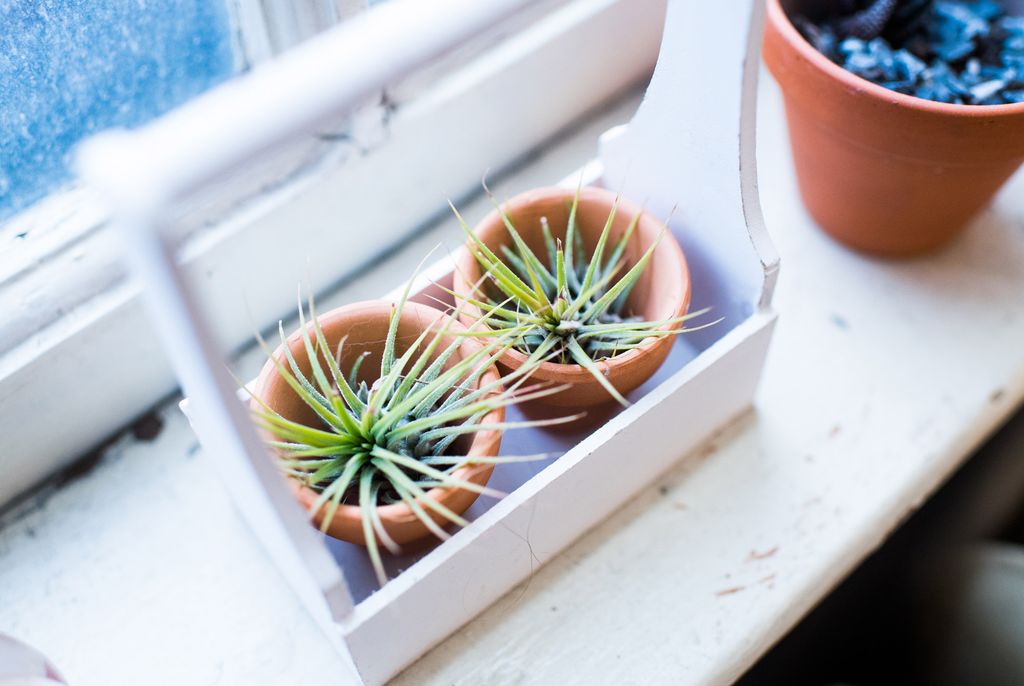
(856, 425)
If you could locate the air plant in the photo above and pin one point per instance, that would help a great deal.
(393, 437)
(571, 307)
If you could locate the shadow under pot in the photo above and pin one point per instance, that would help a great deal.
(364, 327)
(661, 293)
(880, 171)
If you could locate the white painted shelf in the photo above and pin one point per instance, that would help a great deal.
(882, 378)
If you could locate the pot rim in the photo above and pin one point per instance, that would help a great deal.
(780, 21)
(394, 511)
(608, 364)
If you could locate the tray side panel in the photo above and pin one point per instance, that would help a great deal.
(410, 615)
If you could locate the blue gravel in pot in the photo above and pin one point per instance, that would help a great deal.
(967, 52)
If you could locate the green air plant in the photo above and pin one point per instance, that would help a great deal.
(569, 306)
(394, 437)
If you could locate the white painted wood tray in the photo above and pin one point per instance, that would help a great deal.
(690, 146)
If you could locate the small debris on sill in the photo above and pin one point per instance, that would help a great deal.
(148, 427)
(707, 451)
(835, 431)
(755, 555)
(82, 467)
(840, 322)
(997, 395)
(730, 591)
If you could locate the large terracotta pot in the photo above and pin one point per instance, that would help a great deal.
(366, 324)
(663, 291)
(880, 171)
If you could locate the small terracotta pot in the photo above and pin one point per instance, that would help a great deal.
(881, 171)
(662, 292)
(366, 325)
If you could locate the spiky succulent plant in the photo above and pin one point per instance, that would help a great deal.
(568, 306)
(392, 439)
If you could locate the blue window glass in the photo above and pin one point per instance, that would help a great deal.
(70, 68)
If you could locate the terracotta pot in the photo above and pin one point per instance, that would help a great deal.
(880, 171)
(366, 326)
(663, 291)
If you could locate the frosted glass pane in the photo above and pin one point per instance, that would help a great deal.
(70, 68)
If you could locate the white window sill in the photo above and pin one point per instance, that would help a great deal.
(883, 377)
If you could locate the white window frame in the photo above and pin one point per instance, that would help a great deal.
(68, 305)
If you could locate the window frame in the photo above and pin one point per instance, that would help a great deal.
(71, 305)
